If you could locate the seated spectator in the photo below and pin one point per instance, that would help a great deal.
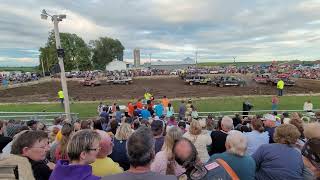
(32, 124)
(236, 145)
(194, 112)
(118, 114)
(256, 137)
(76, 126)
(61, 149)
(157, 130)
(236, 120)
(210, 123)
(104, 165)
(136, 124)
(112, 129)
(105, 114)
(269, 121)
(145, 114)
(23, 171)
(158, 109)
(82, 149)
(311, 149)
(280, 160)
(164, 162)
(86, 124)
(12, 127)
(298, 123)
(97, 124)
(172, 121)
(200, 140)
(141, 154)
(182, 125)
(119, 152)
(7, 149)
(4, 140)
(34, 145)
(219, 137)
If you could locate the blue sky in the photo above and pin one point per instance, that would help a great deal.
(169, 30)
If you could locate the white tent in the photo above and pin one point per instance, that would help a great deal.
(116, 65)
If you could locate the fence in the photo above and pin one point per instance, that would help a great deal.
(46, 117)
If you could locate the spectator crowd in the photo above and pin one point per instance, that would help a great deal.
(148, 142)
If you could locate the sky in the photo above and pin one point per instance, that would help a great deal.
(217, 30)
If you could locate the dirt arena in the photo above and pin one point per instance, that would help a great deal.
(173, 87)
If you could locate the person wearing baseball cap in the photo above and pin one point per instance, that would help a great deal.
(269, 121)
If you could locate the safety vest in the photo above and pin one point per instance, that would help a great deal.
(280, 84)
(60, 94)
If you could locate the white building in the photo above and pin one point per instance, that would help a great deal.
(116, 65)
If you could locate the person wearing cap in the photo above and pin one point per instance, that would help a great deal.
(157, 131)
(280, 86)
(270, 125)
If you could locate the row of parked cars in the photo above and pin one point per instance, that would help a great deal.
(219, 81)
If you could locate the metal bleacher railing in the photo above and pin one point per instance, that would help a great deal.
(45, 117)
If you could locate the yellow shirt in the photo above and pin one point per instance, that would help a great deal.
(60, 94)
(280, 84)
(105, 166)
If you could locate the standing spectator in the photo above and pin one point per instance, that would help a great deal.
(236, 120)
(82, 149)
(34, 145)
(194, 112)
(308, 106)
(210, 123)
(280, 160)
(118, 114)
(139, 104)
(113, 128)
(104, 165)
(105, 114)
(200, 140)
(256, 137)
(61, 97)
(157, 130)
(165, 101)
(236, 146)
(100, 108)
(3, 139)
(141, 154)
(280, 86)
(169, 110)
(164, 162)
(246, 107)
(158, 109)
(130, 109)
(182, 110)
(219, 137)
(189, 108)
(275, 103)
(270, 125)
(119, 152)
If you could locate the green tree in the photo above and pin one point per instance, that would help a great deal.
(77, 53)
(104, 50)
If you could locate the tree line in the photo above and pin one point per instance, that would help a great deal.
(78, 55)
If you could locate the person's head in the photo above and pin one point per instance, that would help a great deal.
(57, 121)
(105, 144)
(41, 126)
(113, 124)
(169, 105)
(182, 125)
(157, 127)
(173, 134)
(1, 127)
(76, 126)
(117, 108)
(286, 134)
(136, 124)
(257, 125)
(226, 124)
(31, 144)
(309, 101)
(105, 109)
(124, 131)
(269, 120)
(66, 132)
(297, 123)
(172, 118)
(83, 146)
(236, 143)
(195, 127)
(164, 97)
(182, 101)
(311, 130)
(285, 114)
(185, 153)
(86, 124)
(203, 124)
(32, 124)
(140, 147)
(97, 124)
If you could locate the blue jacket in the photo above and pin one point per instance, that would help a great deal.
(64, 171)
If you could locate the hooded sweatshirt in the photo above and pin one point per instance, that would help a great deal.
(64, 171)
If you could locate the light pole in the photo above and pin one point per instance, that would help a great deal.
(56, 19)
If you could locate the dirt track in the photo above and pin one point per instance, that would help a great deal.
(172, 87)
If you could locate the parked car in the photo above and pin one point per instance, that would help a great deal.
(120, 80)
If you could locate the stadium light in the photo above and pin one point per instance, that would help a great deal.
(56, 19)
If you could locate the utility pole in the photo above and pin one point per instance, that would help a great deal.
(56, 19)
(234, 59)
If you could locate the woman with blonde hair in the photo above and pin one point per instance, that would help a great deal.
(119, 152)
(164, 162)
(200, 139)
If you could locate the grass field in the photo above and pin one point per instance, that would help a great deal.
(87, 110)
(250, 63)
(23, 69)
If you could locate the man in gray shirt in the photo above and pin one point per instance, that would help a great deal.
(140, 151)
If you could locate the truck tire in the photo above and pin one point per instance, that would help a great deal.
(221, 85)
(92, 85)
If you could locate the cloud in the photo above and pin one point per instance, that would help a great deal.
(217, 29)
